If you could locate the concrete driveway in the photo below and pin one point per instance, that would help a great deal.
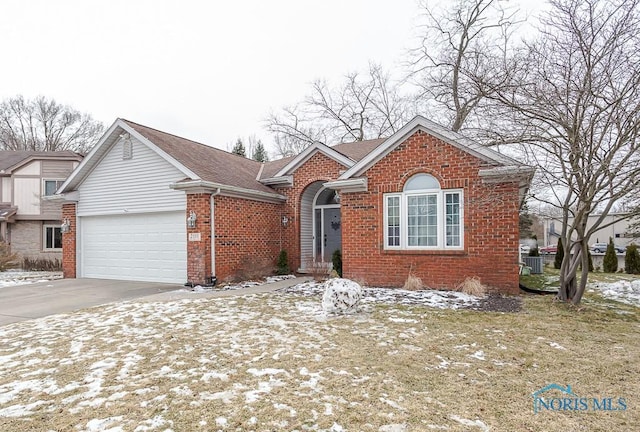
(24, 302)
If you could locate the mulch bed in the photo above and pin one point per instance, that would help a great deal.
(499, 303)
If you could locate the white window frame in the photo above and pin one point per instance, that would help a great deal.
(404, 219)
(59, 183)
(44, 238)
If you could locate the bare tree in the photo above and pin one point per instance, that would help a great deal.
(574, 100)
(458, 45)
(44, 125)
(362, 107)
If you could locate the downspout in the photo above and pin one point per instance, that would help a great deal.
(213, 237)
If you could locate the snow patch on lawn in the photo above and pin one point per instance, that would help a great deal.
(19, 277)
(623, 291)
(430, 298)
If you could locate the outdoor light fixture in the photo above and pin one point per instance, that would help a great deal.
(66, 226)
(285, 221)
(191, 220)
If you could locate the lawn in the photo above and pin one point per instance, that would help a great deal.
(276, 362)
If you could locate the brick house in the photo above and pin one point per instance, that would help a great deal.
(29, 222)
(147, 205)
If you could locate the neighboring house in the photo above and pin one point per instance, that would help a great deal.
(29, 223)
(614, 228)
(148, 205)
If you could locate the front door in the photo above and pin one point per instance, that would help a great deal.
(327, 233)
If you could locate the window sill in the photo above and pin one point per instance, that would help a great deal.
(424, 252)
(51, 250)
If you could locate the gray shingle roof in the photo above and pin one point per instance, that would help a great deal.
(209, 163)
(12, 158)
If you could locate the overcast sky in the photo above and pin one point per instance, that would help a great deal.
(210, 71)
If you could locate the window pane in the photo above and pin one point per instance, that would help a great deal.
(57, 238)
(421, 182)
(48, 237)
(452, 216)
(50, 187)
(393, 221)
(422, 223)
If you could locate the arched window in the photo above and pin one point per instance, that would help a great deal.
(423, 216)
(421, 182)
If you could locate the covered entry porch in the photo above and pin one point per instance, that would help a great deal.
(320, 227)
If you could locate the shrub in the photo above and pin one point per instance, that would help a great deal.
(41, 264)
(472, 286)
(610, 261)
(336, 259)
(632, 260)
(318, 270)
(534, 252)
(557, 262)
(283, 263)
(413, 283)
(7, 259)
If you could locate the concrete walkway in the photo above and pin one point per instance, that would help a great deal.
(215, 293)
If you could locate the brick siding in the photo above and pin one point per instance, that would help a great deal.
(318, 168)
(490, 222)
(69, 241)
(248, 237)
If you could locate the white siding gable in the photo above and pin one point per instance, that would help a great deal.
(32, 168)
(136, 185)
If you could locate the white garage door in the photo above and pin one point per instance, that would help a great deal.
(145, 247)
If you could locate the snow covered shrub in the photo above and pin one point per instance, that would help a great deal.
(341, 296)
(413, 283)
(472, 286)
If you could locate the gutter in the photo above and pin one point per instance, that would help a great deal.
(226, 190)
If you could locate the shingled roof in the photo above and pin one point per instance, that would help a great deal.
(11, 159)
(209, 163)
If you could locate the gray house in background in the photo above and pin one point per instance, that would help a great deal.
(29, 223)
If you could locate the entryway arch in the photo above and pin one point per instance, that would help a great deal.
(321, 225)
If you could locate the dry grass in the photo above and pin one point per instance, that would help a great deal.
(413, 283)
(472, 286)
(423, 368)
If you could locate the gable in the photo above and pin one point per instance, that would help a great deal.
(137, 184)
(32, 168)
(419, 123)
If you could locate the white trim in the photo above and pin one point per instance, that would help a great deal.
(233, 191)
(359, 184)
(306, 154)
(44, 185)
(278, 181)
(127, 211)
(321, 207)
(420, 123)
(44, 238)
(106, 142)
(442, 220)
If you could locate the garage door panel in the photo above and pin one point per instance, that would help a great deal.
(147, 247)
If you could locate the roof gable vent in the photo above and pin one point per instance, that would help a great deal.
(127, 146)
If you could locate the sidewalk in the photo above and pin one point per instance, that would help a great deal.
(216, 292)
